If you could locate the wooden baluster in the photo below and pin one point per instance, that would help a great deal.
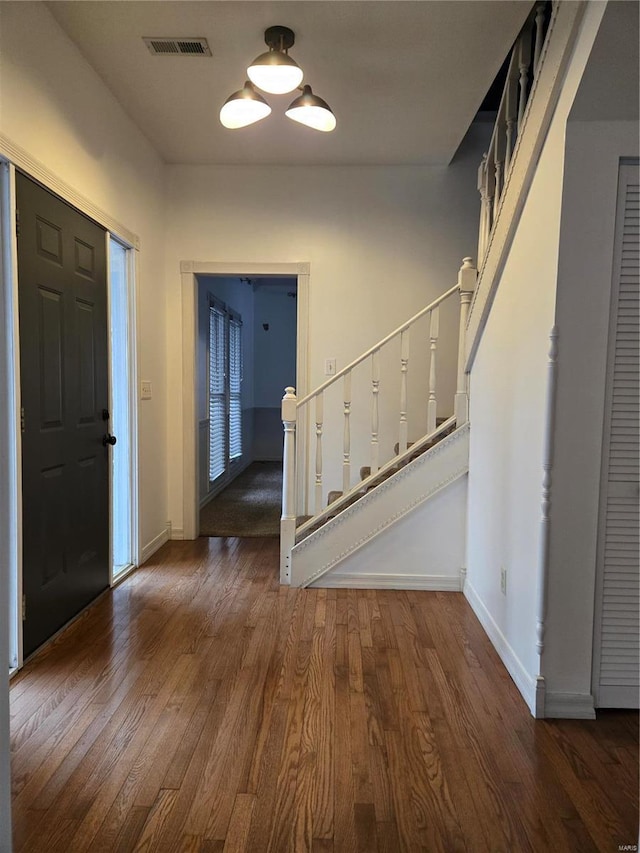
(319, 419)
(346, 463)
(524, 61)
(482, 189)
(288, 518)
(432, 404)
(537, 50)
(467, 277)
(497, 156)
(404, 367)
(375, 388)
(491, 192)
(511, 104)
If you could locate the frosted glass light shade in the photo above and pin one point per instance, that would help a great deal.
(311, 110)
(275, 72)
(243, 108)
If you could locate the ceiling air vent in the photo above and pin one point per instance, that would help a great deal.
(163, 46)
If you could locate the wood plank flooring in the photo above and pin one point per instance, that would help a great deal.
(201, 707)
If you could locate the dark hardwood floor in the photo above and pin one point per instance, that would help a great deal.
(201, 707)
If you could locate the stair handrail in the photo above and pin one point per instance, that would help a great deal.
(379, 345)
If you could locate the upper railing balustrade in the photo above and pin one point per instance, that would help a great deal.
(523, 70)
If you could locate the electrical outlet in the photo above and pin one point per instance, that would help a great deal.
(503, 580)
(329, 367)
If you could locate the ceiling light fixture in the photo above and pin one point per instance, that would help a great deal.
(277, 73)
(311, 110)
(244, 107)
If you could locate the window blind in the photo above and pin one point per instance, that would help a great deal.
(217, 393)
(235, 380)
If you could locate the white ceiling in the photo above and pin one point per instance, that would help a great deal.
(404, 79)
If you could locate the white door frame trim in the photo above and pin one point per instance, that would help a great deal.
(189, 272)
(10, 433)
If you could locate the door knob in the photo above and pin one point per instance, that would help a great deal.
(108, 439)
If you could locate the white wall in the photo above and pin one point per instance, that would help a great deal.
(381, 241)
(508, 388)
(56, 107)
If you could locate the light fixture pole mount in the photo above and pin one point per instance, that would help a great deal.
(279, 38)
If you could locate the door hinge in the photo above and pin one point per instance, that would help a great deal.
(22, 419)
(24, 608)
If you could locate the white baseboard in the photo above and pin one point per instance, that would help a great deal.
(525, 683)
(437, 583)
(177, 533)
(569, 706)
(157, 542)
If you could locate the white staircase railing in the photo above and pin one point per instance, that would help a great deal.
(493, 172)
(369, 435)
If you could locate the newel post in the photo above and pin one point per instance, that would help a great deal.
(467, 277)
(288, 518)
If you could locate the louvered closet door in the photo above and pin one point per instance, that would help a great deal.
(616, 657)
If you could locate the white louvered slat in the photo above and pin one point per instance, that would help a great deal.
(225, 382)
(617, 633)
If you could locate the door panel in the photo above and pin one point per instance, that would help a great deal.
(617, 612)
(63, 364)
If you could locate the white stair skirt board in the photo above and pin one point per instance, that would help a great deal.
(525, 682)
(423, 549)
(405, 500)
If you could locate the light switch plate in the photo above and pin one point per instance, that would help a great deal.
(145, 389)
(330, 367)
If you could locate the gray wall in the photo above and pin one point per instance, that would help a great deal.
(275, 364)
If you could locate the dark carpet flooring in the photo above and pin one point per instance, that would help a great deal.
(250, 506)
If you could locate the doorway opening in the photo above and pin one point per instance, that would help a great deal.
(246, 355)
(190, 272)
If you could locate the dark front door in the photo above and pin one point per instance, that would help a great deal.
(63, 375)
